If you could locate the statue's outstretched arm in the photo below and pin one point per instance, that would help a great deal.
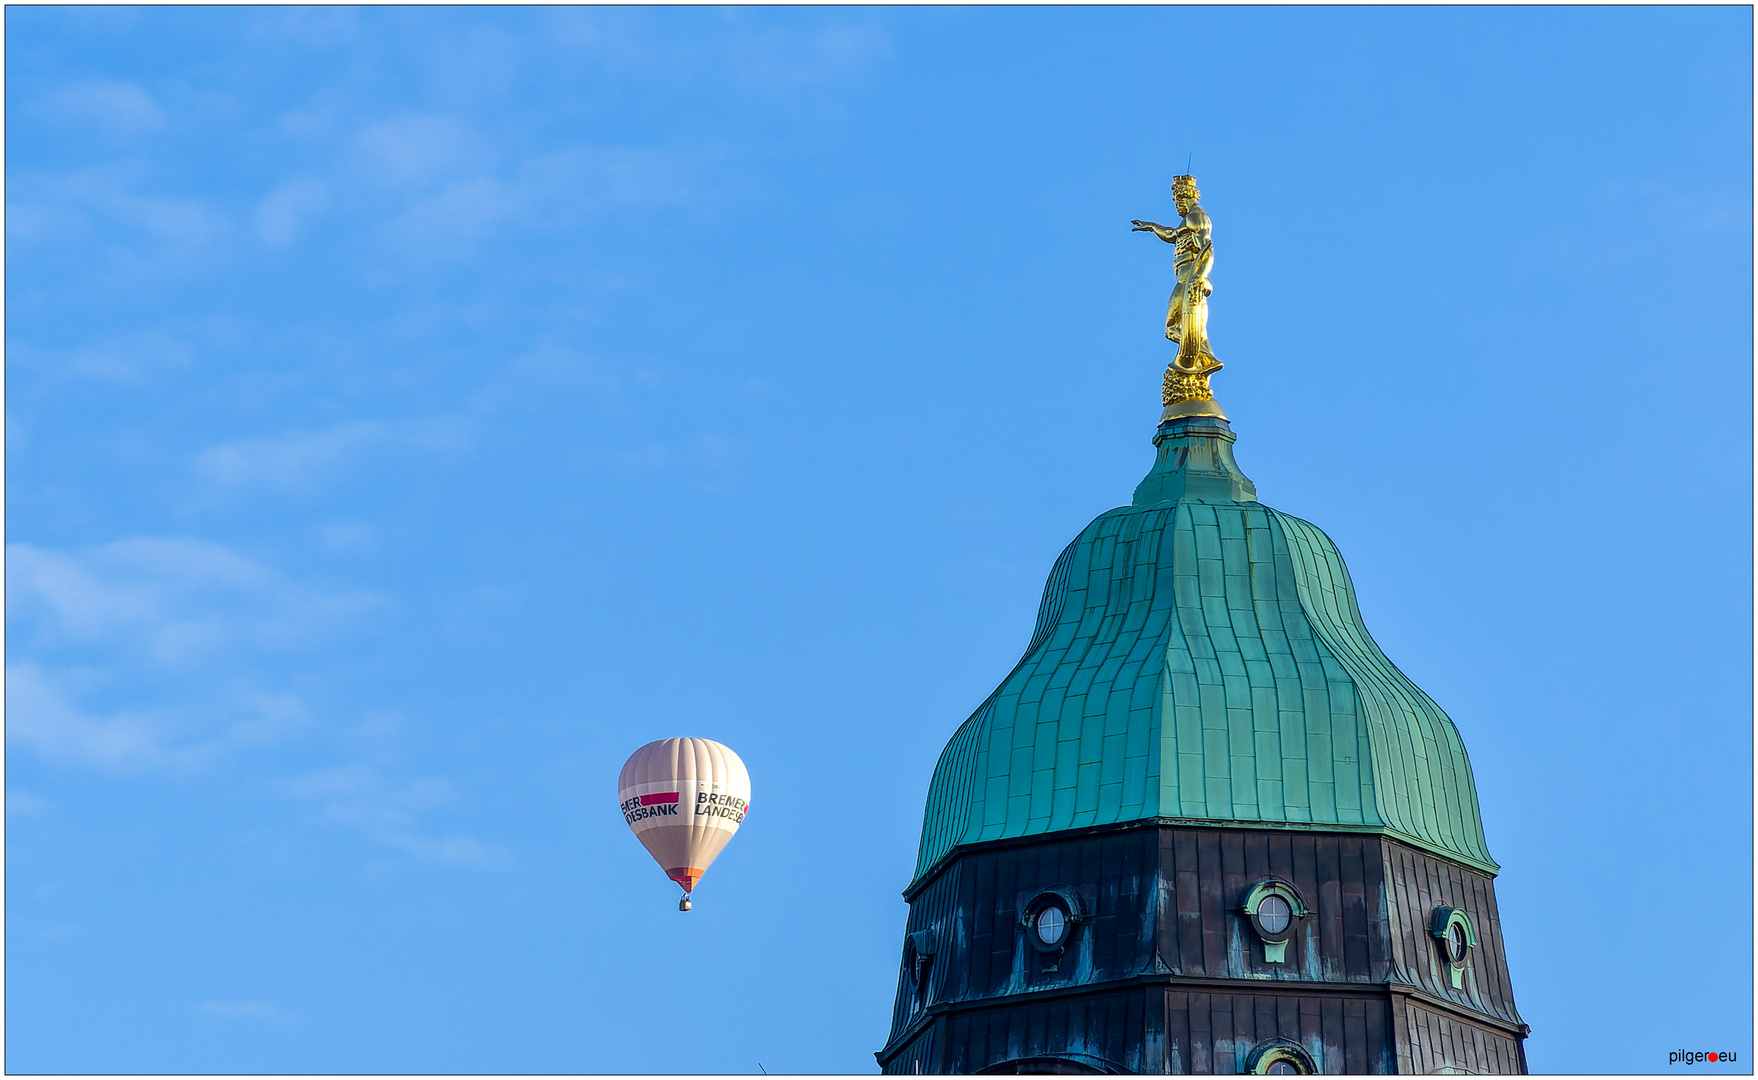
(1161, 231)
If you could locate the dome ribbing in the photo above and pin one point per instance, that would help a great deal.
(1199, 657)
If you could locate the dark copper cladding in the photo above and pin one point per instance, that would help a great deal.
(1166, 974)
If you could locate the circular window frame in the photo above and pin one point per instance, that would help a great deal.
(1266, 1054)
(1441, 925)
(918, 960)
(1065, 900)
(1262, 891)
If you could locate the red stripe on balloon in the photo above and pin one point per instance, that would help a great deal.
(662, 797)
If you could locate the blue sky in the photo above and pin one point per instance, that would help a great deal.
(410, 412)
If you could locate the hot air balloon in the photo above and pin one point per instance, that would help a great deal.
(684, 799)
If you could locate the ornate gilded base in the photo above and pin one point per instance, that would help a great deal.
(1194, 407)
(1186, 394)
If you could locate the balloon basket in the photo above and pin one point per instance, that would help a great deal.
(683, 903)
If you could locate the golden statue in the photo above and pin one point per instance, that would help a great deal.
(1185, 391)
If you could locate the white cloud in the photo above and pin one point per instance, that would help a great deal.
(113, 108)
(174, 599)
(102, 213)
(319, 26)
(707, 453)
(40, 715)
(283, 213)
(42, 930)
(408, 151)
(600, 178)
(299, 459)
(119, 358)
(564, 187)
(751, 54)
(611, 39)
(293, 459)
(462, 211)
(21, 803)
(386, 813)
(552, 369)
(348, 536)
(778, 61)
(165, 633)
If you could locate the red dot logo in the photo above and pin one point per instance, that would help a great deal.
(1714, 1057)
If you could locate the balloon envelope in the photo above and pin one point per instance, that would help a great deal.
(684, 799)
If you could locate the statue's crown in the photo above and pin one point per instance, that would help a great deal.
(1184, 185)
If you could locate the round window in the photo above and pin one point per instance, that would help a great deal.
(1273, 906)
(1051, 924)
(1051, 920)
(1274, 914)
(1456, 943)
(1281, 1067)
(1454, 938)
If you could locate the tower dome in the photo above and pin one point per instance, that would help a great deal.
(1199, 657)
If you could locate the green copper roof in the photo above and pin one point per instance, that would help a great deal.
(1200, 656)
